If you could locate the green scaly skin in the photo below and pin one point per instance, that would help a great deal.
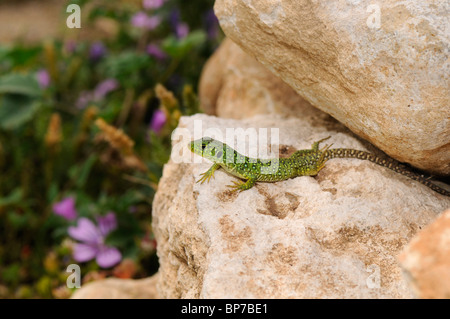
(306, 162)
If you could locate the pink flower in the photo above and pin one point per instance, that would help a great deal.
(92, 239)
(143, 21)
(104, 87)
(152, 4)
(43, 78)
(66, 208)
(182, 30)
(155, 51)
(158, 121)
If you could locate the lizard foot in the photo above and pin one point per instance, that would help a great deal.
(206, 176)
(241, 186)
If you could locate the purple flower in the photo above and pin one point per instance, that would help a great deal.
(212, 24)
(66, 208)
(182, 30)
(92, 239)
(139, 20)
(104, 87)
(97, 51)
(174, 18)
(143, 21)
(155, 51)
(100, 91)
(152, 4)
(43, 77)
(83, 99)
(158, 121)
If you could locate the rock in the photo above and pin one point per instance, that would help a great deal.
(388, 83)
(235, 85)
(114, 288)
(426, 260)
(333, 236)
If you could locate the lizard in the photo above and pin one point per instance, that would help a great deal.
(306, 162)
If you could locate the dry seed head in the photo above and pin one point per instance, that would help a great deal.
(115, 137)
(53, 137)
(50, 59)
(168, 100)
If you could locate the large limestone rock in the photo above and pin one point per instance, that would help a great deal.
(336, 235)
(388, 83)
(235, 85)
(426, 260)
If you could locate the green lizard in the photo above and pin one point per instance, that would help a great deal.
(301, 163)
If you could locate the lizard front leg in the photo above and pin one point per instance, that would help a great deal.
(206, 176)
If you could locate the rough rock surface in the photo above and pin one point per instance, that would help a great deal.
(114, 288)
(426, 259)
(388, 84)
(336, 235)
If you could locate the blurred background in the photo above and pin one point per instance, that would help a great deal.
(86, 116)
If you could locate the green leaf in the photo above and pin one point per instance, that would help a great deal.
(178, 48)
(126, 67)
(16, 83)
(11, 273)
(84, 171)
(13, 198)
(52, 192)
(18, 221)
(22, 56)
(16, 109)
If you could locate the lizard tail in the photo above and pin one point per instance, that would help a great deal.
(385, 162)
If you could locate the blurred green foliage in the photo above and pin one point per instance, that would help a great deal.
(51, 148)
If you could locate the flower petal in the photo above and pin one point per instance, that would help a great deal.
(104, 87)
(158, 121)
(108, 257)
(182, 30)
(43, 78)
(85, 231)
(66, 208)
(155, 51)
(97, 51)
(83, 252)
(107, 223)
(152, 4)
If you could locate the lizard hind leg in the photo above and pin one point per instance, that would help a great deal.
(321, 161)
(314, 148)
(242, 186)
(315, 145)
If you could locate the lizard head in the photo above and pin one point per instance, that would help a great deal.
(208, 148)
